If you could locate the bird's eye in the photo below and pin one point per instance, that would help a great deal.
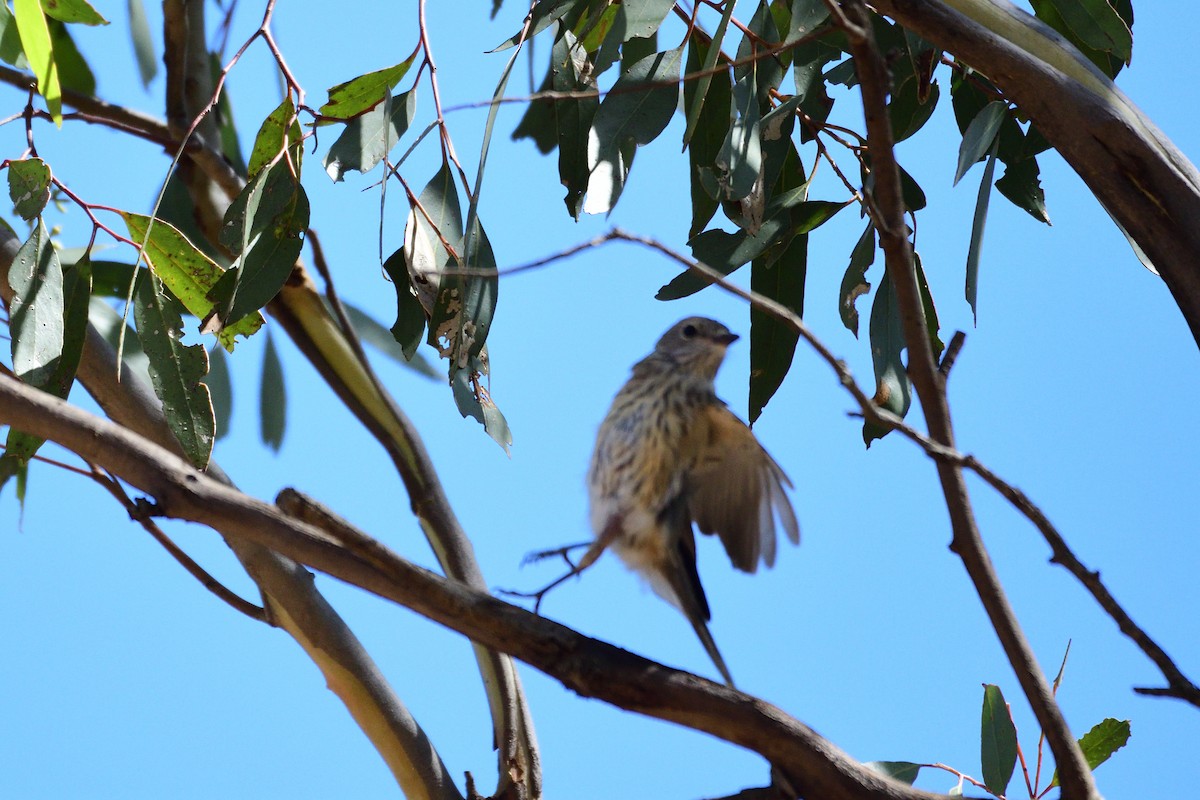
(689, 331)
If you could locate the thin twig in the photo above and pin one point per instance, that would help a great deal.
(140, 515)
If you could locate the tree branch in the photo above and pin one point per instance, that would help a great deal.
(814, 766)
(888, 214)
(1137, 174)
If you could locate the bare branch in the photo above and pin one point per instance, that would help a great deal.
(930, 385)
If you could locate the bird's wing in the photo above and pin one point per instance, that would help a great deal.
(735, 490)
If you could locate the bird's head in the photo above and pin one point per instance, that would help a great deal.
(697, 344)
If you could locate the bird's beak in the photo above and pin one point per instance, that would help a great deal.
(727, 339)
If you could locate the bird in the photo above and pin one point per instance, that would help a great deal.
(670, 453)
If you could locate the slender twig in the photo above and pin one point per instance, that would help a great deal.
(952, 351)
(141, 516)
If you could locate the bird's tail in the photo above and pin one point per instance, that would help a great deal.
(710, 646)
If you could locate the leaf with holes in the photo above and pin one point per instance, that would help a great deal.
(29, 186)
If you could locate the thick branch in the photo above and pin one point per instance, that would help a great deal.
(929, 383)
(814, 766)
(1139, 176)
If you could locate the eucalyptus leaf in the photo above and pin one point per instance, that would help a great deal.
(997, 741)
(370, 136)
(272, 398)
(29, 186)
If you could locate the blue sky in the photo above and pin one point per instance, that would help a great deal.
(124, 678)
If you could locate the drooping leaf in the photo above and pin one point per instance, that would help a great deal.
(980, 137)
(58, 380)
(766, 70)
(538, 123)
(188, 273)
(740, 160)
(370, 136)
(220, 389)
(349, 99)
(36, 310)
(280, 129)
(893, 391)
(473, 400)
(911, 106)
(10, 40)
(772, 341)
(143, 44)
(410, 316)
(932, 325)
(29, 186)
(272, 398)
(545, 14)
(905, 771)
(635, 111)
(35, 41)
(73, 71)
(997, 741)
(635, 21)
(712, 126)
(573, 118)
(176, 372)
(705, 79)
(79, 11)
(854, 281)
(1098, 744)
(975, 250)
(1098, 26)
(265, 225)
(1021, 185)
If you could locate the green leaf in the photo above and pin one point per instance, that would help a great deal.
(10, 40)
(143, 45)
(1098, 25)
(910, 190)
(73, 71)
(474, 401)
(740, 160)
(893, 391)
(410, 316)
(276, 207)
(573, 119)
(21, 446)
(1098, 744)
(767, 71)
(997, 741)
(932, 326)
(712, 126)
(980, 136)
(1021, 185)
(272, 398)
(188, 274)
(349, 99)
(772, 341)
(35, 41)
(538, 122)
(975, 250)
(220, 389)
(725, 252)
(29, 186)
(854, 281)
(370, 136)
(279, 130)
(176, 372)
(545, 13)
(705, 80)
(905, 771)
(36, 310)
(382, 340)
(629, 115)
(73, 11)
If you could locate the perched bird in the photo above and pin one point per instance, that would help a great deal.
(669, 453)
